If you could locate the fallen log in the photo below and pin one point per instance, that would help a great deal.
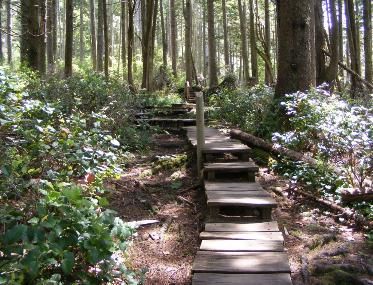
(274, 149)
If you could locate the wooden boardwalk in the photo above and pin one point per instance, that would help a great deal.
(244, 247)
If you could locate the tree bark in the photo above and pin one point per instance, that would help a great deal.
(1, 33)
(188, 41)
(55, 4)
(9, 32)
(225, 31)
(50, 54)
(42, 37)
(123, 31)
(296, 62)
(164, 35)
(100, 36)
(173, 37)
(81, 34)
(130, 42)
(93, 34)
(368, 40)
(254, 54)
(267, 39)
(244, 44)
(106, 39)
(205, 52)
(213, 73)
(69, 38)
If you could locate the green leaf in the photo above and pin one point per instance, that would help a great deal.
(33, 221)
(103, 202)
(67, 262)
(15, 234)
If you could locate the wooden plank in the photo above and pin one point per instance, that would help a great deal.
(242, 245)
(245, 227)
(235, 186)
(241, 262)
(243, 235)
(241, 279)
(254, 202)
(227, 146)
(233, 193)
(231, 166)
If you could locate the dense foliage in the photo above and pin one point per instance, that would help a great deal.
(57, 148)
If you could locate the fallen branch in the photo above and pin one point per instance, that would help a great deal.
(136, 224)
(195, 186)
(274, 149)
(182, 199)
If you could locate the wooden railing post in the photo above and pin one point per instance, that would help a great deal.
(200, 131)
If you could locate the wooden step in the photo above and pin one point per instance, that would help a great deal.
(241, 201)
(242, 245)
(241, 262)
(227, 146)
(244, 227)
(231, 166)
(241, 279)
(242, 235)
(241, 194)
(232, 186)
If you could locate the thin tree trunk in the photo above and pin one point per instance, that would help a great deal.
(173, 37)
(100, 36)
(50, 55)
(130, 42)
(254, 54)
(188, 41)
(213, 73)
(340, 33)
(9, 31)
(69, 38)
(225, 30)
(244, 52)
(123, 31)
(150, 85)
(205, 53)
(1, 33)
(41, 36)
(332, 69)
(267, 35)
(93, 34)
(106, 39)
(368, 40)
(164, 36)
(81, 35)
(55, 5)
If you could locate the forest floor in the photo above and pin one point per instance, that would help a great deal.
(161, 185)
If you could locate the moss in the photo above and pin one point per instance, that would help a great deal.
(339, 277)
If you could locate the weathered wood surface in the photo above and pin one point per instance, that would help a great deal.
(242, 245)
(242, 235)
(242, 227)
(231, 166)
(225, 146)
(241, 201)
(239, 194)
(241, 279)
(241, 262)
(232, 186)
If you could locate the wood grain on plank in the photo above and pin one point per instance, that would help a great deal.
(241, 279)
(242, 245)
(242, 235)
(246, 227)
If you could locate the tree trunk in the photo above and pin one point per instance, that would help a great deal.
(69, 38)
(150, 81)
(205, 53)
(93, 34)
(225, 31)
(254, 54)
(173, 37)
(340, 33)
(213, 73)
(188, 41)
(55, 4)
(42, 37)
(244, 52)
(332, 69)
(164, 36)
(130, 42)
(29, 44)
(106, 39)
(123, 31)
(267, 39)
(81, 35)
(100, 36)
(1, 33)
(50, 55)
(368, 40)
(296, 70)
(9, 31)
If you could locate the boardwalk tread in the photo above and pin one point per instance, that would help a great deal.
(242, 245)
(241, 279)
(235, 186)
(246, 227)
(242, 235)
(235, 194)
(241, 262)
(231, 166)
(256, 202)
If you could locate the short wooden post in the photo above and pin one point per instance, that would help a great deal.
(200, 131)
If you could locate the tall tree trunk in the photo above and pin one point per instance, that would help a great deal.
(130, 42)
(188, 41)
(69, 38)
(173, 37)
(353, 46)
(213, 73)
(106, 39)
(357, 22)
(340, 30)
(42, 37)
(55, 4)
(1, 33)
(320, 43)
(100, 36)
(50, 55)
(267, 39)
(368, 40)
(29, 44)
(296, 42)
(150, 81)
(164, 35)
(254, 54)
(9, 31)
(123, 31)
(81, 35)
(332, 69)
(244, 45)
(225, 31)
(93, 34)
(205, 52)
